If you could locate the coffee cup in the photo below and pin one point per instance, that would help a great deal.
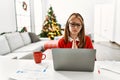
(38, 57)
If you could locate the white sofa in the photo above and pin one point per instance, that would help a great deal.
(19, 45)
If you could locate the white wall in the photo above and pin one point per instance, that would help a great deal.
(38, 16)
(63, 9)
(104, 22)
(45, 4)
(117, 22)
(7, 16)
(107, 21)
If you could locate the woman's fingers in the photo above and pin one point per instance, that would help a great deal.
(74, 44)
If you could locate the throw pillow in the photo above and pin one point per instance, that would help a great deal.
(26, 38)
(34, 37)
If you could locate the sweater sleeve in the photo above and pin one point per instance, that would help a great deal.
(61, 43)
(88, 43)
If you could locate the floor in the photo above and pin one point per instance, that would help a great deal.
(107, 51)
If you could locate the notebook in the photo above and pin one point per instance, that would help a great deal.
(67, 59)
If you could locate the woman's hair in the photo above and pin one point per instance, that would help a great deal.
(81, 34)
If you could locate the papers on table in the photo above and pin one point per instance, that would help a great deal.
(113, 66)
(109, 69)
(31, 72)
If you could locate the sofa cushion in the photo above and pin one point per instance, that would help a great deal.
(4, 47)
(38, 46)
(34, 37)
(26, 38)
(14, 40)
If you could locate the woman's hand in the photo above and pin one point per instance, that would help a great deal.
(74, 46)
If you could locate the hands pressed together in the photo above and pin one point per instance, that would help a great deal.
(74, 45)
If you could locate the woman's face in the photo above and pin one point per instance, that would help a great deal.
(75, 25)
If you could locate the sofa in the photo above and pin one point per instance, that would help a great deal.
(18, 45)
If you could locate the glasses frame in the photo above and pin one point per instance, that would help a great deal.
(73, 24)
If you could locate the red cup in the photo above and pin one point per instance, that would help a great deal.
(38, 57)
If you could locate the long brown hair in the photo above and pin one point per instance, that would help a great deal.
(81, 34)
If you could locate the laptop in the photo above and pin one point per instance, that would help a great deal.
(67, 59)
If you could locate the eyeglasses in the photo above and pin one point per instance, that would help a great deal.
(74, 24)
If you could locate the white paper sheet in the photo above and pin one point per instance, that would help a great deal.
(31, 72)
(113, 66)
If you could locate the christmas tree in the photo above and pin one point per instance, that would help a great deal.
(50, 26)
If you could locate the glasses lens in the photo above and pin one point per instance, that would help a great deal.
(74, 24)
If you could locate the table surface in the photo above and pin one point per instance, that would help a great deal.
(9, 68)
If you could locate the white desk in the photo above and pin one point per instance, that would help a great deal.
(10, 66)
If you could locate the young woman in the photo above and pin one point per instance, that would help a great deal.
(74, 35)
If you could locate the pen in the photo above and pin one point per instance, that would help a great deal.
(19, 71)
(98, 71)
(44, 70)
